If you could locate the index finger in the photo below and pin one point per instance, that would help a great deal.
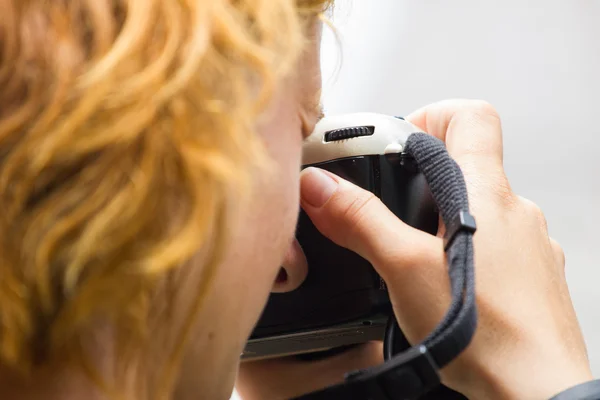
(471, 130)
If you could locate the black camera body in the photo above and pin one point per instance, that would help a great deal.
(343, 300)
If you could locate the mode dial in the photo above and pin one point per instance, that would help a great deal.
(349, 133)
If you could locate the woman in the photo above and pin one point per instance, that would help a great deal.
(149, 186)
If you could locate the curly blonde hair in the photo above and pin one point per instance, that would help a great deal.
(125, 128)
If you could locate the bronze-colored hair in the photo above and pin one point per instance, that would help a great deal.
(125, 128)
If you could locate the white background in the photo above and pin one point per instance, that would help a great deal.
(536, 61)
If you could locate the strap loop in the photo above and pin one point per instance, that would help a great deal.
(464, 222)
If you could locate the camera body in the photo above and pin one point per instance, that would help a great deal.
(343, 300)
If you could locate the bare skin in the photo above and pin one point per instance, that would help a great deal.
(527, 321)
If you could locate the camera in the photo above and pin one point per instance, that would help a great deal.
(343, 301)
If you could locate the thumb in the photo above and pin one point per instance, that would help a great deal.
(356, 219)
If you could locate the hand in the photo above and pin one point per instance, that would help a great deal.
(528, 344)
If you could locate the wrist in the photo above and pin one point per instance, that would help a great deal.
(532, 384)
(524, 378)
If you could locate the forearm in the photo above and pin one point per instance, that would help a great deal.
(532, 369)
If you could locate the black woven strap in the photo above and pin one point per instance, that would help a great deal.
(415, 371)
(448, 188)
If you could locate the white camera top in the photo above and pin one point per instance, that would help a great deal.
(359, 134)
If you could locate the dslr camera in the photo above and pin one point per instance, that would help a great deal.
(343, 301)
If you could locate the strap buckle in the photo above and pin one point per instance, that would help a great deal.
(464, 222)
(407, 376)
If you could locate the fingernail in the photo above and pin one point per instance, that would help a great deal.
(316, 187)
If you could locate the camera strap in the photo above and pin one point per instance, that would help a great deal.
(411, 373)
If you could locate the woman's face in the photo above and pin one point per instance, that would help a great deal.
(260, 246)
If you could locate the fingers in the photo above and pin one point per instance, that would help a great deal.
(471, 130)
(356, 219)
(411, 262)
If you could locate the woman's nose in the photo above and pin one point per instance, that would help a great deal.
(293, 270)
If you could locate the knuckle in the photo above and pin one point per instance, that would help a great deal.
(483, 109)
(534, 213)
(494, 186)
(558, 251)
(356, 210)
(481, 129)
(503, 191)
